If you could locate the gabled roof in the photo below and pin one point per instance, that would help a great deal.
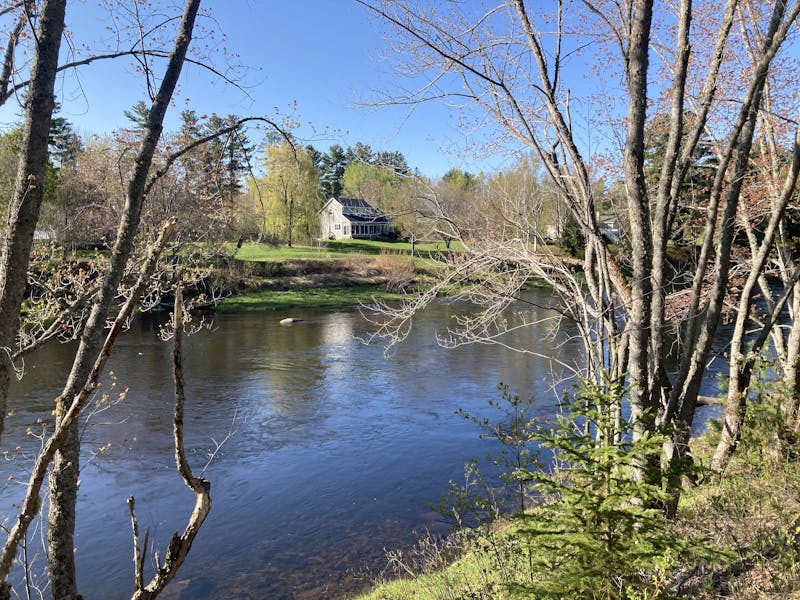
(354, 203)
(355, 209)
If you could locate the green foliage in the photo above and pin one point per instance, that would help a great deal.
(333, 163)
(305, 298)
(65, 146)
(289, 195)
(339, 249)
(598, 533)
(374, 183)
(596, 530)
(211, 175)
(462, 180)
(331, 167)
(752, 510)
(64, 142)
(10, 145)
(137, 115)
(695, 188)
(765, 420)
(572, 238)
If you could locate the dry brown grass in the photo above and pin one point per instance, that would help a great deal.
(754, 512)
(397, 272)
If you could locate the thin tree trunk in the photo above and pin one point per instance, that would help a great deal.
(699, 333)
(791, 370)
(668, 190)
(31, 504)
(179, 546)
(66, 466)
(741, 367)
(29, 187)
(639, 214)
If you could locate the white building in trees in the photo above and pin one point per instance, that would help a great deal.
(352, 218)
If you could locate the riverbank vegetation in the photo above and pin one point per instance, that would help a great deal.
(689, 174)
(306, 298)
(580, 536)
(682, 220)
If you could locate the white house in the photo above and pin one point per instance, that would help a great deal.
(352, 218)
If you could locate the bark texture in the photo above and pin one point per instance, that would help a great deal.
(29, 186)
(638, 327)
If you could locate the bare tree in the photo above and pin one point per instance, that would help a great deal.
(63, 480)
(510, 62)
(180, 545)
(31, 504)
(770, 187)
(98, 294)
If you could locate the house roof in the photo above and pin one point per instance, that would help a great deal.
(355, 209)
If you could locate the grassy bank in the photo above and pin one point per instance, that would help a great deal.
(306, 298)
(338, 249)
(332, 275)
(748, 521)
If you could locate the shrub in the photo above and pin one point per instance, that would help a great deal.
(601, 535)
(398, 271)
(572, 238)
(596, 530)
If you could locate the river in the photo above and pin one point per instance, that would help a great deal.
(333, 452)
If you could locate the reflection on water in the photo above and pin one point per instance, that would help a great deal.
(335, 455)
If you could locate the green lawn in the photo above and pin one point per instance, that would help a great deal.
(334, 249)
(329, 297)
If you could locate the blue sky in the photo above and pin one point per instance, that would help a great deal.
(314, 60)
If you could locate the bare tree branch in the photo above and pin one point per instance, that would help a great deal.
(179, 546)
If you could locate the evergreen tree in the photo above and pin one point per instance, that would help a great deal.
(137, 115)
(332, 166)
(64, 142)
(572, 238)
(462, 180)
(212, 173)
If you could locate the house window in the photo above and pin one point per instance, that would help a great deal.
(337, 227)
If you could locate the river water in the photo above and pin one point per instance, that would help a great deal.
(335, 451)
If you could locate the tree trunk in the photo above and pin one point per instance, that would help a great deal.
(64, 475)
(699, 334)
(291, 220)
(29, 187)
(791, 371)
(668, 191)
(741, 366)
(639, 214)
